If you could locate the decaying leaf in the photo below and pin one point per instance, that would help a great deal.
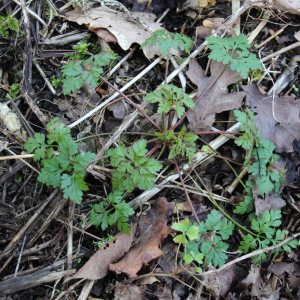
(286, 110)
(120, 109)
(82, 103)
(128, 292)
(254, 279)
(152, 230)
(221, 283)
(290, 6)
(293, 269)
(120, 27)
(217, 99)
(97, 265)
(271, 201)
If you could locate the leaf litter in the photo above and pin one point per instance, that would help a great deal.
(152, 230)
(153, 239)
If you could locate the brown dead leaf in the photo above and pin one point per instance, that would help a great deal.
(120, 27)
(97, 265)
(217, 99)
(128, 292)
(120, 109)
(271, 201)
(252, 278)
(83, 102)
(152, 230)
(223, 281)
(293, 269)
(290, 6)
(286, 110)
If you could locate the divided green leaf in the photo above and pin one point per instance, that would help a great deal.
(166, 41)
(132, 168)
(234, 51)
(65, 167)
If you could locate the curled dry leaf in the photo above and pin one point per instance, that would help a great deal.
(114, 26)
(152, 230)
(97, 265)
(217, 98)
(285, 109)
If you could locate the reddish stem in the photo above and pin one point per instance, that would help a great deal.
(153, 149)
(184, 187)
(133, 104)
(199, 98)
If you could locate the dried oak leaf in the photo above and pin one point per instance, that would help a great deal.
(128, 292)
(293, 269)
(217, 98)
(252, 278)
(152, 230)
(121, 28)
(224, 280)
(97, 265)
(286, 110)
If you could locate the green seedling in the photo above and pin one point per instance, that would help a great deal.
(166, 41)
(62, 165)
(234, 51)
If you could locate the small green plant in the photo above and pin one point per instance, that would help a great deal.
(8, 23)
(261, 152)
(81, 49)
(132, 168)
(295, 88)
(111, 210)
(62, 164)
(166, 41)
(234, 51)
(207, 237)
(56, 82)
(265, 227)
(181, 143)
(89, 70)
(13, 91)
(170, 97)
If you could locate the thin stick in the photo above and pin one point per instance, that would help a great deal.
(281, 51)
(251, 255)
(16, 156)
(29, 222)
(130, 83)
(44, 77)
(185, 190)
(133, 104)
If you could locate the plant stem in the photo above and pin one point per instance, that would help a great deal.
(219, 208)
(153, 149)
(184, 187)
(199, 98)
(133, 104)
